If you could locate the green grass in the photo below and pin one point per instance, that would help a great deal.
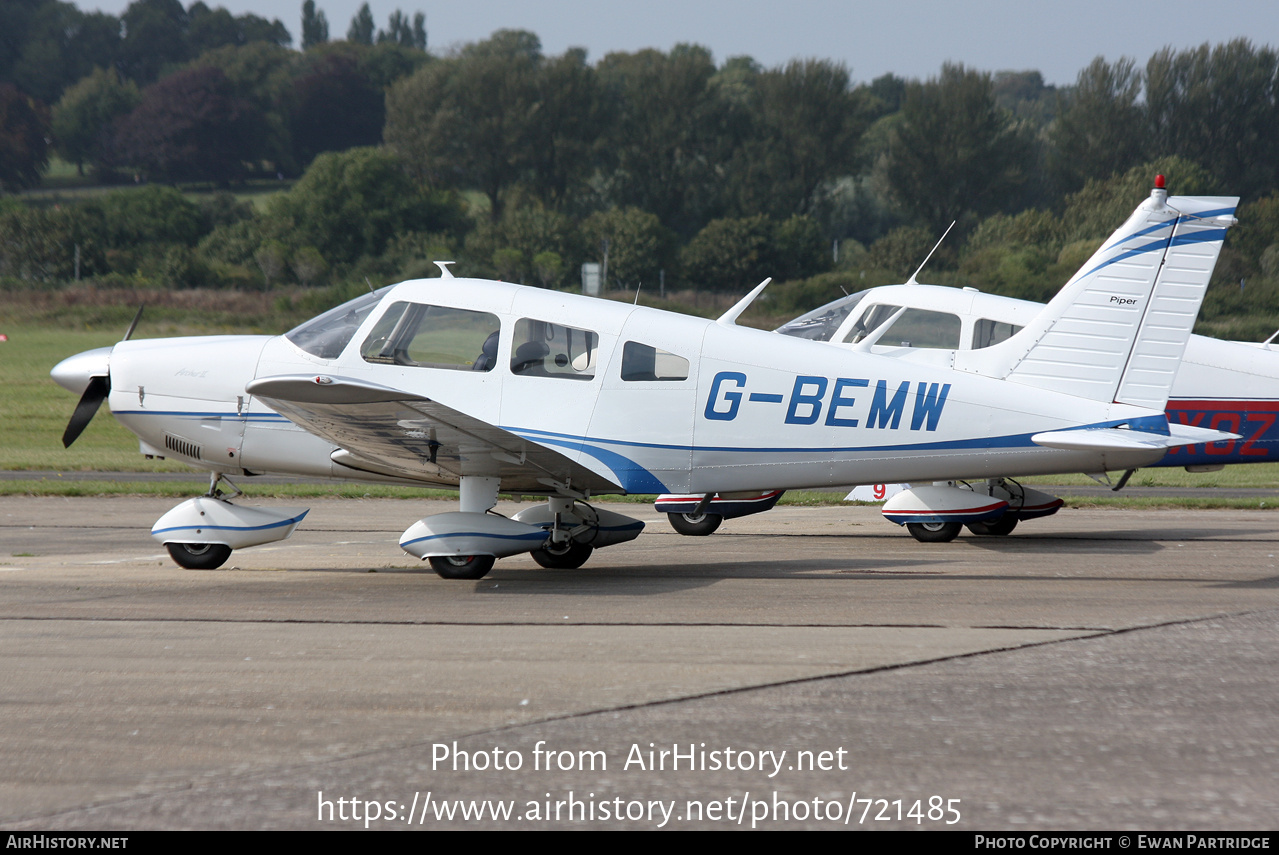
(1260, 476)
(36, 409)
(62, 185)
(1160, 502)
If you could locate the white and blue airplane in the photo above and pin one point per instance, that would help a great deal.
(488, 386)
(1223, 385)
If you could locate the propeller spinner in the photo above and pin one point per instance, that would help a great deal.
(89, 374)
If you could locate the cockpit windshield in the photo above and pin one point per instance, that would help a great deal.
(327, 335)
(822, 323)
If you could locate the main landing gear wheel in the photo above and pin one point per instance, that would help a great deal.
(199, 556)
(695, 525)
(1000, 527)
(566, 556)
(462, 566)
(934, 532)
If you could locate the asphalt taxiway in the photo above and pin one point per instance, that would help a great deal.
(1102, 669)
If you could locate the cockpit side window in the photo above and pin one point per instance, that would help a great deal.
(433, 337)
(987, 332)
(545, 349)
(647, 363)
(327, 335)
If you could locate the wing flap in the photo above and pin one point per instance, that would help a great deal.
(402, 434)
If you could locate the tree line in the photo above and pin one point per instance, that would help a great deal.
(668, 166)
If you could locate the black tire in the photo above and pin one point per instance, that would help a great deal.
(999, 528)
(567, 556)
(462, 566)
(695, 525)
(199, 556)
(934, 532)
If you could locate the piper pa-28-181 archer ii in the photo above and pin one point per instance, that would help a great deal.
(489, 386)
(1221, 385)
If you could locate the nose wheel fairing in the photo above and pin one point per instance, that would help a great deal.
(214, 520)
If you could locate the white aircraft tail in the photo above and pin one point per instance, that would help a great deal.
(1117, 330)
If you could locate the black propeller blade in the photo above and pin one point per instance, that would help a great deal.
(94, 394)
(133, 326)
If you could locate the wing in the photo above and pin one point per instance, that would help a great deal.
(392, 432)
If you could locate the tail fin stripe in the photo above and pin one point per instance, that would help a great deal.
(1153, 246)
(1146, 231)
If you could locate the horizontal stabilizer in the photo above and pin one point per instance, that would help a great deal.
(1124, 439)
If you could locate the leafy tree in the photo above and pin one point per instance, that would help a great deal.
(151, 215)
(525, 232)
(661, 142)
(386, 63)
(155, 36)
(191, 125)
(798, 249)
(53, 44)
(352, 203)
(729, 254)
(639, 246)
(901, 251)
(257, 29)
(261, 75)
(334, 106)
(361, 29)
(272, 259)
(210, 29)
(1097, 130)
(207, 29)
(568, 116)
(24, 128)
(1025, 95)
(954, 154)
(470, 122)
(1218, 107)
(83, 121)
(887, 93)
(308, 265)
(36, 244)
(805, 122)
(548, 267)
(399, 31)
(315, 26)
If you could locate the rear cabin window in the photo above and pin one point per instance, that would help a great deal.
(434, 337)
(987, 332)
(544, 349)
(642, 362)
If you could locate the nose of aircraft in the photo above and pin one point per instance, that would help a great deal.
(74, 372)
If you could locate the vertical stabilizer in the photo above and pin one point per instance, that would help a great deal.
(1165, 329)
(1117, 330)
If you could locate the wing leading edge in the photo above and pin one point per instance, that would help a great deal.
(392, 432)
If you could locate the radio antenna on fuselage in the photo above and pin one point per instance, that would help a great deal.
(911, 280)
